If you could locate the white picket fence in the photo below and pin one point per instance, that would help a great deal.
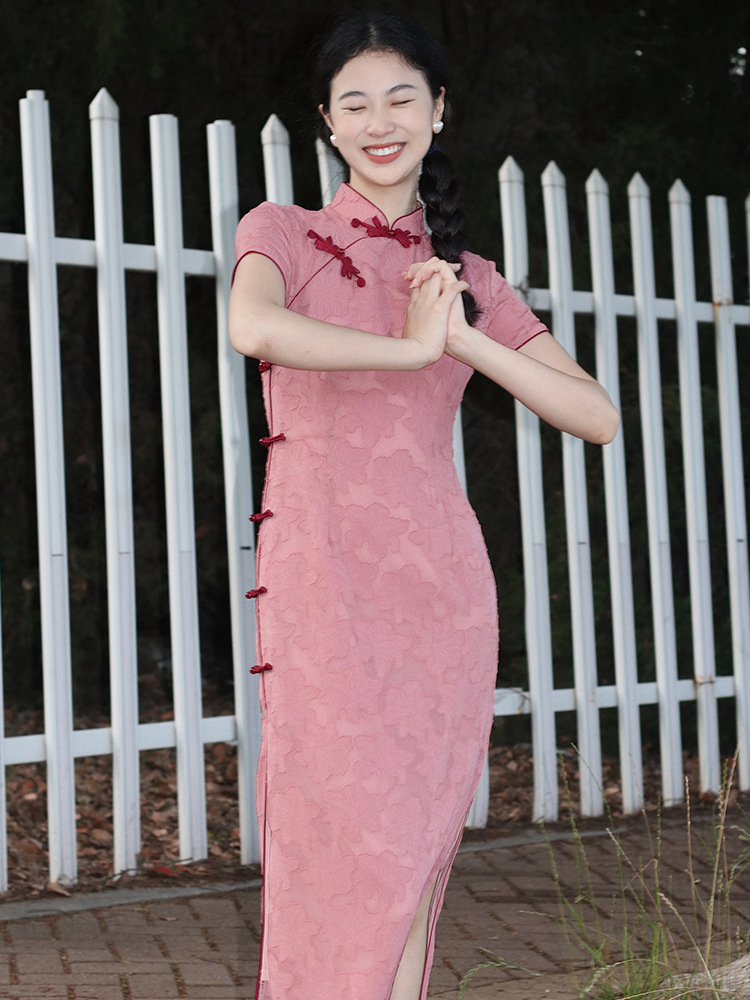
(44, 252)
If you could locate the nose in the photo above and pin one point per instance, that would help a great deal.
(379, 123)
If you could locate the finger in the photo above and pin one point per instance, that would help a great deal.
(445, 270)
(429, 289)
(421, 270)
(452, 293)
(431, 263)
(417, 264)
(454, 289)
(434, 266)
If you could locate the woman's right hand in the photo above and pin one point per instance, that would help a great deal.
(434, 291)
(261, 326)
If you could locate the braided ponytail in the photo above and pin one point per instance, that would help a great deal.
(441, 193)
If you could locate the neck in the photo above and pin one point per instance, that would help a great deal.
(394, 202)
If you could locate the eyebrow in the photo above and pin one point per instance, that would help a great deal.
(361, 93)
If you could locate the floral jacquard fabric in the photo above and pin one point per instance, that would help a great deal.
(378, 618)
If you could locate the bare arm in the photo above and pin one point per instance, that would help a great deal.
(541, 374)
(261, 327)
(544, 377)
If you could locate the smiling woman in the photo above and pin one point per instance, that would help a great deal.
(376, 607)
(381, 116)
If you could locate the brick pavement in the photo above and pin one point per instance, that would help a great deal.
(501, 901)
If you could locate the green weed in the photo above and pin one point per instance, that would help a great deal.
(659, 951)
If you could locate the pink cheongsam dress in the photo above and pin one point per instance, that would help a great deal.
(377, 613)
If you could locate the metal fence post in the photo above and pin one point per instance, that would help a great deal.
(576, 506)
(277, 164)
(616, 499)
(536, 581)
(238, 488)
(50, 484)
(178, 473)
(649, 379)
(113, 360)
(734, 479)
(699, 557)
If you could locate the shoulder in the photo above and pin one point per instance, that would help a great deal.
(267, 215)
(484, 278)
(505, 315)
(274, 223)
(477, 265)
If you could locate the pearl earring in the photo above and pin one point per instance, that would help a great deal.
(332, 139)
(437, 127)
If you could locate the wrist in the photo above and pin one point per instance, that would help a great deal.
(460, 338)
(417, 354)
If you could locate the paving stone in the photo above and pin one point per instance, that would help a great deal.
(220, 993)
(97, 992)
(36, 992)
(86, 976)
(42, 962)
(152, 987)
(205, 974)
(74, 953)
(140, 948)
(189, 947)
(145, 966)
(39, 979)
(75, 926)
(32, 930)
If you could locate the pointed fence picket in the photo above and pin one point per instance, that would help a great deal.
(616, 498)
(725, 314)
(576, 505)
(118, 497)
(42, 251)
(652, 429)
(533, 529)
(238, 483)
(691, 412)
(44, 330)
(178, 475)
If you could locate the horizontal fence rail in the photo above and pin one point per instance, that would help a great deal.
(43, 252)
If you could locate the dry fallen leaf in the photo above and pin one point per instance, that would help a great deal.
(56, 888)
(101, 836)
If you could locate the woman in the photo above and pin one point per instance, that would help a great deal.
(377, 631)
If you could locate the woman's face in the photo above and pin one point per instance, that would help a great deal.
(381, 112)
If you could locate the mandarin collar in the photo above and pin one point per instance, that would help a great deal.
(350, 204)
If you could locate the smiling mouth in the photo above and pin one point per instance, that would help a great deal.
(384, 150)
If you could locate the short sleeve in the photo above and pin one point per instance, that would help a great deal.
(265, 230)
(505, 316)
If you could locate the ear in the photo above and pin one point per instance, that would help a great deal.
(440, 102)
(325, 116)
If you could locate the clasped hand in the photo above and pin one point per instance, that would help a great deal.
(435, 312)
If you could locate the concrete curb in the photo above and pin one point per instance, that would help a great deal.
(23, 910)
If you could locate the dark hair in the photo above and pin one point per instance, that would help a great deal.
(438, 187)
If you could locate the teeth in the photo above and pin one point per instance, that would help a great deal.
(384, 150)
